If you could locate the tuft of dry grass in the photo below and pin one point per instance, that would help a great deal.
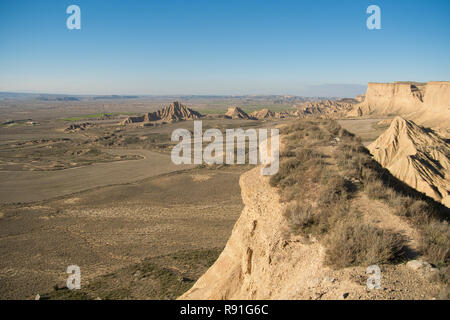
(351, 243)
(300, 217)
(435, 242)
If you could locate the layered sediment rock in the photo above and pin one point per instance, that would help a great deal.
(174, 112)
(236, 113)
(326, 108)
(427, 104)
(263, 114)
(416, 156)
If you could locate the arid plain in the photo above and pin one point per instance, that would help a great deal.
(106, 196)
(90, 182)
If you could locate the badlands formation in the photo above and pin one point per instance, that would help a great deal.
(263, 114)
(236, 113)
(263, 261)
(174, 112)
(428, 104)
(416, 156)
(326, 108)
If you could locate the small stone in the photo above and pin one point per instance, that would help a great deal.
(38, 297)
(418, 264)
(345, 295)
(184, 279)
(60, 286)
(424, 268)
(432, 273)
(328, 280)
(318, 295)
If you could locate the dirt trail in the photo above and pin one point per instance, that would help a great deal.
(379, 214)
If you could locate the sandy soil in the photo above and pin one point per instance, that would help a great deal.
(29, 186)
(367, 129)
(105, 229)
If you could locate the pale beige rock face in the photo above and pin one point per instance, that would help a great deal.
(427, 104)
(257, 262)
(262, 261)
(263, 114)
(173, 112)
(415, 156)
(236, 113)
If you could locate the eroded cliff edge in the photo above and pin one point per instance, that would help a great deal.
(263, 261)
(427, 104)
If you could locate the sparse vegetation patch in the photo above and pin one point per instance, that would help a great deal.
(322, 168)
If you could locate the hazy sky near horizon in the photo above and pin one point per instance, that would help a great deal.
(220, 47)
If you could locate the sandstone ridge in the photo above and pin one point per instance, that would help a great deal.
(427, 104)
(260, 261)
(416, 156)
(173, 112)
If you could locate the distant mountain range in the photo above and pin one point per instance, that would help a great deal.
(277, 99)
(59, 97)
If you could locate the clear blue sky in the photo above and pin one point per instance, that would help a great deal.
(220, 47)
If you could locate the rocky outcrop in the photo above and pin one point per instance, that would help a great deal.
(130, 120)
(360, 98)
(236, 113)
(257, 262)
(425, 103)
(263, 261)
(326, 108)
(416, 156)
(263, 114)
(260, 261)
(78, 127)
(174, 112)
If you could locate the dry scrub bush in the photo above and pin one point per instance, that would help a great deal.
(333, 127)
(292, 171)
(348, 241)
(418, 211)
(299, 216)
(336, 188)
(351, 243)
(435, 242)
(376, 190)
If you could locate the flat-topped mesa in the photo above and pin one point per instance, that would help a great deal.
(438, 95)
(416, 156)
(173, 112)
(425, 103)
(398, 97)
(236, 113)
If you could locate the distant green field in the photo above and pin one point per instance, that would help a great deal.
(96, 115)
(15, 123)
